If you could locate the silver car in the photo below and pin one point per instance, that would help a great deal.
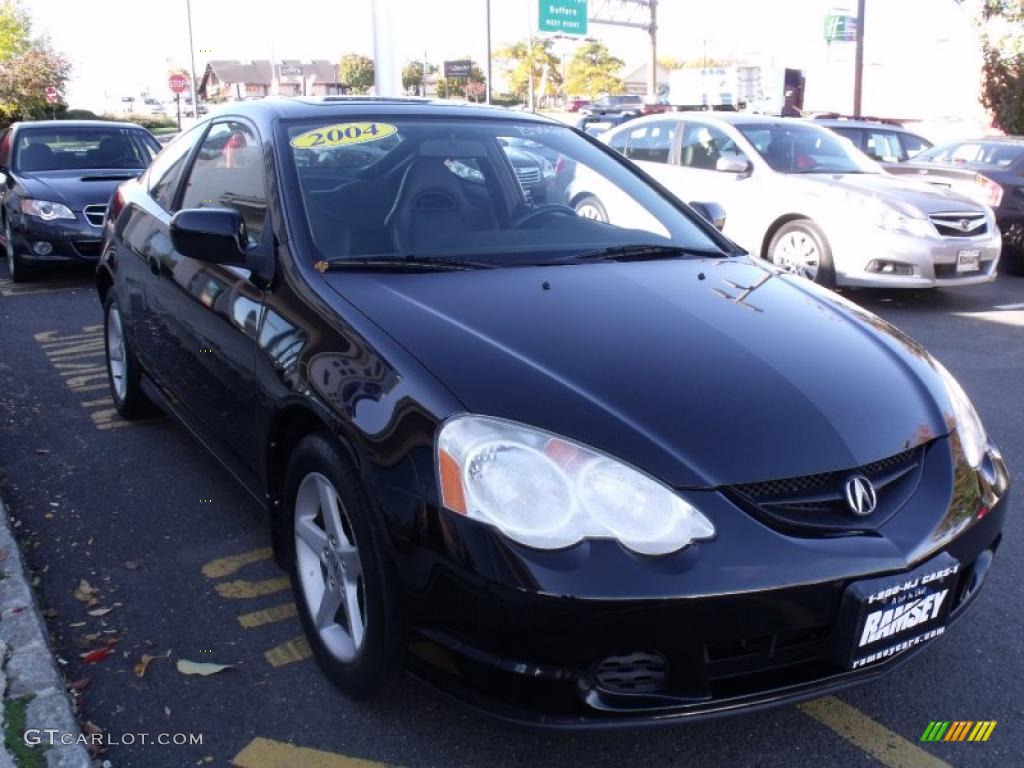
(804, 199)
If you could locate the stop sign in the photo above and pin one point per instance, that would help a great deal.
(177, 83)
(51, 94)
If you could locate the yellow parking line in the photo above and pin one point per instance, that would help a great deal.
(267, 753)
(268, 615)
(289, 653)
(887, 747)
(225, 566)
(242, 590)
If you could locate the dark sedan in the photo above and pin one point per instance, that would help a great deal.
(56, 178)
(576, 473)
(990, 170)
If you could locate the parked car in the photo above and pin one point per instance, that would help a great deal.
(595, 125)
(153, 106)
(620, 104)
(573, 473)
(886, 142)
(989, 170)
(576, 103)
(58, 177)
(803, 199)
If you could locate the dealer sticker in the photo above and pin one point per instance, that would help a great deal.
(343, 134)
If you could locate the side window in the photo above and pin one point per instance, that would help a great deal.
(620, 141)
(5, 149)
(166, 168)
(228, 173)
(855, 136)
(652, 142)
(883, 146)
(704, 144)
(913, 144)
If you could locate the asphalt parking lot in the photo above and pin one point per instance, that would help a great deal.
(179, 553)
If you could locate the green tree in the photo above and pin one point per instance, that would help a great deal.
(520, 62)
(472, 87)
(1002, 44)
(15, 29)
(412, 75)
(356, 71)
(24, 79)
(593, 70)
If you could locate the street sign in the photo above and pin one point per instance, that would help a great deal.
(51, 94)
(291, 70)
(565, 16)
(840, 27)
(177, 83)
(459, 68)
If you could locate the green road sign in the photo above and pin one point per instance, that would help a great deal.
(566, 16)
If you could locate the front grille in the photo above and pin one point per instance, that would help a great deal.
(90, 249)
(635, 673)
(95, 214)
(817, 502)
(970, 224)
(528, 176)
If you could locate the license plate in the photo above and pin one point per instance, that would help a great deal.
(968, 261)
(881, 618)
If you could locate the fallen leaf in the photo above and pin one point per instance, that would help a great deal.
(187, 667)
(167, 711)
(78, 685)
(97, 612)
(91, 657)
(90, 727)
(85, 591)
(50, 613)
(42, 451)
(48, 515)
(3, 555)
(142, 664)
(54, 504)
(131, 565)
(77, 624)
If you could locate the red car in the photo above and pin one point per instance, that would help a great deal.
(576, 103)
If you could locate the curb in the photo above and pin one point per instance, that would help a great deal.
(27, 666)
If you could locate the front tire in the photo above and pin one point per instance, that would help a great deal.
(20, 271)
(589, 207)
(800, 247)
(340, 572)
(123, 371)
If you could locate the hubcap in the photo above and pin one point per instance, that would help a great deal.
(588, 211)
(116, 353)
(330, 571)
(797, 252)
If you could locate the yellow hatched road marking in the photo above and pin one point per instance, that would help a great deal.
(242, 589)
(267, 616)
(294, 650)
(225, 566)
(887, 747)
(267, 753)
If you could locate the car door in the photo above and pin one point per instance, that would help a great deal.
(206, 316)
(653, 145)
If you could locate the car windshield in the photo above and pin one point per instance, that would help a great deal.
(500, 191)
(796, 148)
(61, 149)
(987, 154)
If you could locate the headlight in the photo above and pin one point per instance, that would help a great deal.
(45, 210)
(548, 492)
(888, 218)
(968, 424)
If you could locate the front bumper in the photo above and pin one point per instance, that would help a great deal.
(932, 260)
(539, 656)
(70, 240)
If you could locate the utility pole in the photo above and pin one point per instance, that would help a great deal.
(652, 75)
(858, 66)
(529, 57)
(488, 14)
(192, 58)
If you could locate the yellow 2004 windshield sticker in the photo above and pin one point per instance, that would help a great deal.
(342, 134)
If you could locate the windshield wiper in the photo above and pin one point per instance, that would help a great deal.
(642, 253)
(407, 263)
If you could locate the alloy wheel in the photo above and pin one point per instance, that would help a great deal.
(329, 568)
(116, 355)
(588, 211)
(798, 252)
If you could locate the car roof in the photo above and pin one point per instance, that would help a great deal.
(731, 118)
(75, 124)
(839, 122)
(284, 107)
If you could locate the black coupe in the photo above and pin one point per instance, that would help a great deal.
(577, 473)
(56, 178)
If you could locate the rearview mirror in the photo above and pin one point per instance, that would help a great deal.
(713, 212)
(732, 164)
(214, 235)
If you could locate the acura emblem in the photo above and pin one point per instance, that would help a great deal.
(860, 495)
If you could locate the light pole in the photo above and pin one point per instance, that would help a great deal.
(192, 59)
(858, 66)
(488, 15)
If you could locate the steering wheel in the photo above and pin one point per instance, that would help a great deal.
(529, 216)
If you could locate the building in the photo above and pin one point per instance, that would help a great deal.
(635, 79)
(234, 80)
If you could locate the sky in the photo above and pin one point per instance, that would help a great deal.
(920, 55)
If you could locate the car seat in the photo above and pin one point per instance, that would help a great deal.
(37, 157)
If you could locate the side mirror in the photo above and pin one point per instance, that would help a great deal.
(214, 235)
(713, 212)
(732, 164)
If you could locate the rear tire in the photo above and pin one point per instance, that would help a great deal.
(343, 579)
(123, 371)
(20, 271)
(800, 247)
(1013, 249)
(589, 207)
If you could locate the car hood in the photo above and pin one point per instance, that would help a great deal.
(905, 196)
(702, 372)
(75, 189)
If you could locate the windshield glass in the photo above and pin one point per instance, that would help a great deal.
(797, 148)
(60, 149)
(496, 190)
(988, 154)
